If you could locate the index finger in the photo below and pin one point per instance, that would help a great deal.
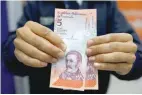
(114, 37)
(47, 34)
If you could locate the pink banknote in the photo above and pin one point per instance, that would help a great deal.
(74, 71)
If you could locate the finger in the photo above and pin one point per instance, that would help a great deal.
(124, 68)
(114, 57)
(46, 33)
(28, 60)
(33, 52)
(127, 47)
(39, 42)
(114, 37)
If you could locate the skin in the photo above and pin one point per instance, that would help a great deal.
(112, 52)
(36, 46)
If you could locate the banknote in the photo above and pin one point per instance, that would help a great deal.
(74, 71)
(91, 79)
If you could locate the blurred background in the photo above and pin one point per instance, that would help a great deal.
(11, 12)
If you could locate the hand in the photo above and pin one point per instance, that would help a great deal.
(112, 52)
(36, 45)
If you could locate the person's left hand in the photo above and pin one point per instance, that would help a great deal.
(112, 52)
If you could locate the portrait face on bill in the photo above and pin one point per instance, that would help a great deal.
(73, 61)
(71, 76)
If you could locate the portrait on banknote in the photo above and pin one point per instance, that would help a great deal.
(69, 74)
(73, 60)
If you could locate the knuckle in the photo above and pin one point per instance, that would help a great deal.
(19, 31)
(129, 36)
(133, 58)
(50, 47)
(93, 39)
(15, 41)
(45, 58)
(102, 66)
(49, 58)
(53, 49)
(135, 47)
(97, 49)
(117, 56)
(25, 59)
(32, 52)
(29, 22)
(35, 41)
(100, 58)
(98, 39)
(112, 37)
(45, 31)
(114, 46)
(37, 63)
(128, 68)
(15, 52)
(118, 67)
(43, 47)
(17, 55)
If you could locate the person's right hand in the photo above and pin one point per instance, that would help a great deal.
(37, 45)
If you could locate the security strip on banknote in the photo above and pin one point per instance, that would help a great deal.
(74, 71)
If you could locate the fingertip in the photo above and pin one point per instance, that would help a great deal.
(92, 58)
(96, 65)
(89, 43)
(63, 46)
(44, 64)
(54, 60)
(89, 51)
(60, 54)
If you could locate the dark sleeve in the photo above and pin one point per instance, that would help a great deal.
(118, 24)
(13, 65)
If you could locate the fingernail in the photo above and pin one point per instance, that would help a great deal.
(54, 60)
(61, 54)
(63, 46)
(44, 63)
(96, 64)
(92, 58)
(89, 43)
(89, 51)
